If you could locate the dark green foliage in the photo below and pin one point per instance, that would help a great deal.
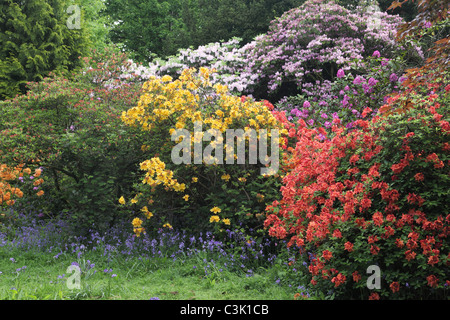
(35, 41)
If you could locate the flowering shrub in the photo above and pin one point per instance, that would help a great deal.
(227, 58)
(73, 128)
(8, 192)
(348, 95)
(207, 193)
(373, 195)
(311, 42)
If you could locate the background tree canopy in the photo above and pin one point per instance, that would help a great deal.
(35, 39)
(155, 27)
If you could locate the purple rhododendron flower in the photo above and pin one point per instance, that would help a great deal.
(393, 77)
(372, 82)
(340, 73)
(376, 54)
(306, 104)
(358, 80)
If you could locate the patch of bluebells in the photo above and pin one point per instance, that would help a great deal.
(234, 250)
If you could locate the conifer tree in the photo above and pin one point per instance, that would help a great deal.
(35, 40)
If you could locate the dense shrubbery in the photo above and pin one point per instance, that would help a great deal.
(374, 195)
(307, 45)
(72, 129)
(364, 147)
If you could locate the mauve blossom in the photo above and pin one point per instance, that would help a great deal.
(358, 80)
(340, 73)
(376, 54)
(306, 104)
(393, 77)
(372, 82)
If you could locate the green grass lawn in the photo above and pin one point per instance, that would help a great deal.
(41, 276)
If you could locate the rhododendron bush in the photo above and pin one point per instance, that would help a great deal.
(310, 43)
(374, 195)
(346, 98)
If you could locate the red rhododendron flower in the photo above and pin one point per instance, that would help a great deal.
(327, 255)
(399, 243)
(337, 234)
(432, 281)
(410, 255)
(339, 279)
(348, 246)
(374, 250)
(356, 276)
(374, 296)
(395, 287)
(372, 239)
(432, 260)
(377, 218)
(419, 176)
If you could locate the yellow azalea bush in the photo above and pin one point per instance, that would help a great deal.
(187, 193)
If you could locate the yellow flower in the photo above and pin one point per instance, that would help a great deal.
(167, 225)
(194, 179)
(226, 221)
(242, 179)
(122, 200)
(216, 210)
(214, 219)
(186, 197)
(138, 231)
(226, 177)
(166, 78)
(136, 222)
(134, 200)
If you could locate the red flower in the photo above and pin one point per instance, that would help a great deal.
(327, 255)
(356, 276)
(389, 231)
(410, 255)
(419, 176)
(395, 287)
(377, 218)
(338, 280)
(337, 234)
(348, 246)
(374, 250)
(372, 239)
(432, 281)
(432, 260)
(354, 158)
(399, 243)
(374, 296)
